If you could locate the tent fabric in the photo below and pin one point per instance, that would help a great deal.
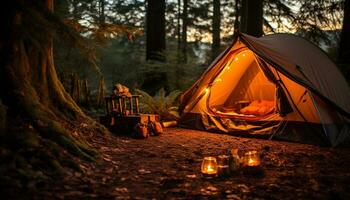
(276, 86)
(305, 62)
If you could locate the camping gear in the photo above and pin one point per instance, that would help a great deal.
(140, 131)
(209, 167)
(277, 86)
(158, 129)
(124, 117)
(169, 124)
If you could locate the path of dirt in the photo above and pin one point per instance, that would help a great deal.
(168, 167)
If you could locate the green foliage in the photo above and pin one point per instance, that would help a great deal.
(165, 106)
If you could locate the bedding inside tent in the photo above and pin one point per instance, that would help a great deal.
(241, 88)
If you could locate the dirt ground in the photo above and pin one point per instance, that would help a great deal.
(168, 167)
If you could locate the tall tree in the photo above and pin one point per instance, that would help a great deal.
(102, 11)
(184, 31)
(344, 45)
(33, 93)
(215, 48)
(237, 22)
(255, 18)
(155, 30)
(178, 28)
(244, 16)
(155, 78)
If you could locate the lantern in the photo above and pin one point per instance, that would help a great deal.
(251, 163)
(251, 159)
(209, 166)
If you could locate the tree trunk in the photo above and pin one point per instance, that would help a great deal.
(244, 16)
(236, 25)
(101, 93)
(32, 72)
(178, 52)
(33, 92)
(184, 32)
(255, 18)
(102, 11)
(215, 48)
(155, 79)
(344, 45)
(155, 30)
(178, 28)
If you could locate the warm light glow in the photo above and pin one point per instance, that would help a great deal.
(252, 162)
(244, 55)
(236, 59)
(218, 80)
(206, 90)
(251, 159)
(209, 166)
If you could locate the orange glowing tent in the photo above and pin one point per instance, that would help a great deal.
(277, 86)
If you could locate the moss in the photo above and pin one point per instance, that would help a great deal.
(28, 139)
(20, 138)
(55, 132)
(71, 164)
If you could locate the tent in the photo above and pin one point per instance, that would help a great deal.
(278, 86)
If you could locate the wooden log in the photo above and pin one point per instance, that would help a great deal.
(169, 124)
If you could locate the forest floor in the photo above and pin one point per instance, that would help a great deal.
(168, 167)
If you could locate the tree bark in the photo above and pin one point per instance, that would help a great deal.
(155, 30)
(155, 47)
(215, 48)
(33, 92)
(255, 18)
(344, 45)
(32, 72)
(184, 31)
(236, 25)
(102, 11)
(243, 16)
(178, 28)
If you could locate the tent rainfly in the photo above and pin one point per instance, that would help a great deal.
(278, 86)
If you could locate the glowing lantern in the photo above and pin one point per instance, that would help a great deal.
(251, 159)
(209, 166)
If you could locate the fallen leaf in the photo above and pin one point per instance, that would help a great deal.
(233, 196)
(143, 171)
(121, 189)
(191, 176)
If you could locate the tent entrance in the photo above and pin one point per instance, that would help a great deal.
(241, 89)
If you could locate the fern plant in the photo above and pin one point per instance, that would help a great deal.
(165, 106)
